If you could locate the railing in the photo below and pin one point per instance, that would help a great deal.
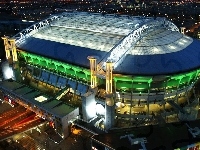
(21, 36)
(119, 51)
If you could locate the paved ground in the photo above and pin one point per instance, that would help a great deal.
(78, 140)
(36, 140)
(4, 107)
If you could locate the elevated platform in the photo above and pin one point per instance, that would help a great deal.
(34, 98)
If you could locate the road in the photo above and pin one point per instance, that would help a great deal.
(17, 120)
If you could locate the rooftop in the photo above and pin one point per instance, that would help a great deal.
(72, 37)
(30, 95)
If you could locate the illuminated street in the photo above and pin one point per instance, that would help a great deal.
(16, 121)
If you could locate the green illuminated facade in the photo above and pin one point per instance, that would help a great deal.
(137, 84)
(68, 70)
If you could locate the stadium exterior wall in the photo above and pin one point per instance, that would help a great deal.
(134, 83)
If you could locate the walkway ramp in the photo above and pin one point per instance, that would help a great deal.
(175, 106)
(62, 92)
(89, 127)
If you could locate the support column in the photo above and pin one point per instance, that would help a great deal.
(109, 69)
(14, 50)
(88, 105)
(109, 116)
(148, 104)
(7, 47)
(166, 81)
(109, 105)
(149, 82)
(131, 105)
(93, 69)
(8, 65)
(16, 67)
(177, 89)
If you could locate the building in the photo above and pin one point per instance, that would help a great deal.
(57, 113)
(119, 68)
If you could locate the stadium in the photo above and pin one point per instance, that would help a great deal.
(118, 69)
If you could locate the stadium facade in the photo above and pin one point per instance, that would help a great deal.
(111, 63)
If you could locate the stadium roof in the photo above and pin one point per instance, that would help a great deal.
(72, 37)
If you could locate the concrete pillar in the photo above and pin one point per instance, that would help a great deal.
(89, 105)
(109, 113)
(16, 71)
(7, 70)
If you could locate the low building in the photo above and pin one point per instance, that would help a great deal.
(57, 113)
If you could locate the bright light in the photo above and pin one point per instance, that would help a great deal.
(172, 47)
(7, 71)
(90, 109)
(40, 98)
(118, 104)
(118, 95)
(181, 43)
(100, 109)
(155, 50)
(184, 40)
